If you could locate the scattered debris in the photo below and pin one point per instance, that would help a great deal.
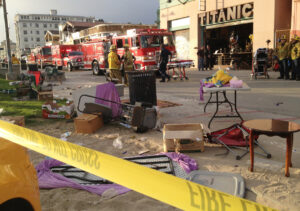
(143, 151)
(143, 139)
(277, 104)
(118, 143)
(65, 135)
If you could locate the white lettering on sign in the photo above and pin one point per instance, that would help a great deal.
(226, 14)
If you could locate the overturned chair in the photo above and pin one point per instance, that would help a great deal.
(235, 136)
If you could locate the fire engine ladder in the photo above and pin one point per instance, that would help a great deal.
(202, 5)
(219, 4)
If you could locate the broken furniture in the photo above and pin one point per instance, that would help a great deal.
(92, 91)
(183, 137)
(222, 90)
(88, 123)
(272, 127)
(52, 74)
(142, 116)
(235, 136)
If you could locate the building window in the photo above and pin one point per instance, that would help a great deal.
(45, 32)
(37, 32)
(25, 32)
(24, 25)
(45, 25)
(56, 25)
(50, 25)
(31, 38)
(37, 25)
(25, 39)
(30, 24)
(38, 39)
(30, 32)
(63, 19)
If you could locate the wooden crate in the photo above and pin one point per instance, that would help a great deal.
(45, 96)
(183, 137)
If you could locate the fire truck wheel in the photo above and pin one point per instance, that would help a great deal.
(96, 70)
(70, 68)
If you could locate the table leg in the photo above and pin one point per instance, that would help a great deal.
(251, 137)
(226, 100)
(289, 146)
(207, 102)
(217, 109)
(235, 106)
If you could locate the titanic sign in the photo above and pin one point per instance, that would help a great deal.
(227, 14)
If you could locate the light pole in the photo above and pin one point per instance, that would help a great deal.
(7, 37)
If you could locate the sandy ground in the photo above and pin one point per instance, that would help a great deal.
(266, 185)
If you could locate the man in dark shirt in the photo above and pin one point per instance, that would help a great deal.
(200, 54)
(165, 57)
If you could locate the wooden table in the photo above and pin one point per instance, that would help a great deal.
(272, 127)
(233, 105)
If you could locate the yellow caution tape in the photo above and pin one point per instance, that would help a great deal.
(172, 190)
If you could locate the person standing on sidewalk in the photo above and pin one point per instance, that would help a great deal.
(295, 56)
(209, 58)
(283, 54)
(114, 64)
(200, 54)
(128, 62)
(164, 58)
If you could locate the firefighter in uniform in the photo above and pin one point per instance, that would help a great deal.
(295, 56)
(14, 59)
(282, 52)
(128, 62)
(114, 64)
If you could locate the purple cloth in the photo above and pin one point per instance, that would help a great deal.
(187, 163)
(48, 179)
(207, 85)
(108, 91)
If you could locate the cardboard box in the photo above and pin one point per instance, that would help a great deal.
(88, 123)
(52, 110)
(44, 96)
(183, 137)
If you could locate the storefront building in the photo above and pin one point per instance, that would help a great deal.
(197, 23)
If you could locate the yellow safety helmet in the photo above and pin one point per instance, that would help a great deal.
(251, 36)
(112, 47)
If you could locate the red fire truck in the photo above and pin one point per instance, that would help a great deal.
(41, 56)
(145, 46)
(61, 56)
(95, 54)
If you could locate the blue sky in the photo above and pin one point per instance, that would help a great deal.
(121, 11)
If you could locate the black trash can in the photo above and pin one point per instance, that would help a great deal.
(142, 87)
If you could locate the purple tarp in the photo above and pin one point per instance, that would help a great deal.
(48, 179)
(108, 91)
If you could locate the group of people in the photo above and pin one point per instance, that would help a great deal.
(205, 58)
(288, 55)
(14, 59)
(115, 61)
